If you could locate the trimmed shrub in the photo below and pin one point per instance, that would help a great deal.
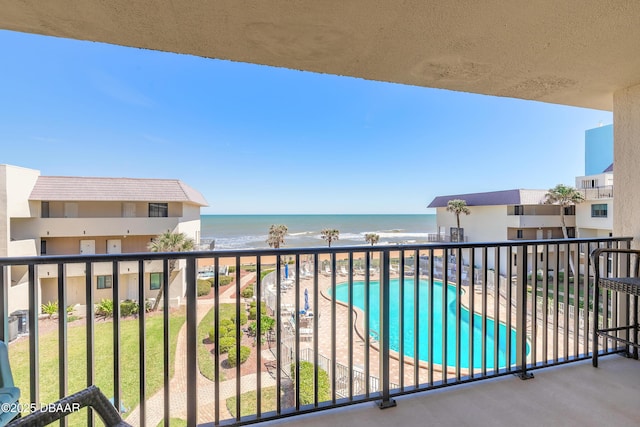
(253, 314)
(204, 287)
(245, 352)
(224, 331)
(226, 344)
(224, 280)
(306, 383)
(247, 292)
(128, 308)
(243, 318)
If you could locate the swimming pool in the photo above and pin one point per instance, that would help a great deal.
(423, 344)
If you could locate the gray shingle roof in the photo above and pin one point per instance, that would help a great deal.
(492, 198)
(66, 188)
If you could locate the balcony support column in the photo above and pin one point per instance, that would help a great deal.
(626, 157)
(521, 311)
(385, 260)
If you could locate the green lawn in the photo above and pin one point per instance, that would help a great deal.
(103, 344)
(248, 402)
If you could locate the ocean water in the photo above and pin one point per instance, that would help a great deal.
(250, 231)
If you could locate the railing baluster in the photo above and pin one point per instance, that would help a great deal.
(115, 283)
(458, 311)
(238, 343)
(192, 343)
(258, 295)
(142, 343)
(4, 303)
(444, 318)
(279, 337)
(166, 339)
(350, 324)
(90, 333)
(471, 277)
(216, 339)
(496, 313)
(485, 278)
(34, 366)
(509, 303)
(416, 321)
(333, 328)
(63, 356)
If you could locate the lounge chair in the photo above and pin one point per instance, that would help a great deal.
(343, 271)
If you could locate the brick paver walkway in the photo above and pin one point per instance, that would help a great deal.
(206, 390)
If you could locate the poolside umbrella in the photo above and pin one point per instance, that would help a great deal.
(286, 271)
(306, 300)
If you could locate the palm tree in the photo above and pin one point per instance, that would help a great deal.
(170, 242)
(276, 235)
(372, 238)
(458, 206)
(330, 234)
(564, 196)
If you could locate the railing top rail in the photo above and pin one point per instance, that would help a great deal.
(150, 256)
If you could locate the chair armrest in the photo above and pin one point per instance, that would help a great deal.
(595, 258)
(91, 396)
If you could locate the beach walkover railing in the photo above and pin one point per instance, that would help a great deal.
(292, 331)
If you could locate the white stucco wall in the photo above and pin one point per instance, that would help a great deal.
(626, 155)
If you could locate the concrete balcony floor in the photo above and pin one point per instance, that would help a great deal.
(569, 395)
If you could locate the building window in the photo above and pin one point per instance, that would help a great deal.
(43, 247)
(158, 210)
(599, 210)
(571, 232)
(570, 210)
(541, 257)
(44, 208)
(519, 234)
(518, 210)
(104, 282)
(155, 280)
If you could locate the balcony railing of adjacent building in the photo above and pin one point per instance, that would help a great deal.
(604, 192)
(349, 325)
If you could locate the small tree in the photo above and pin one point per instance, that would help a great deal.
(458, 206)
(372, 238)
(330, 235)
(564, 196)
(276, 235)
(169, 242)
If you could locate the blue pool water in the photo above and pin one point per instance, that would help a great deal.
(423, 315)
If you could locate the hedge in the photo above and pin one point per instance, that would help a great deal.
(306, 383)
(244, 355)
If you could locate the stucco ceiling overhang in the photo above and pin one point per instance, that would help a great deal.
(575, 52)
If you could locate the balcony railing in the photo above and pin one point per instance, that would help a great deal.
(349, 325)
(604, 192)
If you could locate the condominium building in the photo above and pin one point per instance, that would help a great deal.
(505, 215)
(62, 215)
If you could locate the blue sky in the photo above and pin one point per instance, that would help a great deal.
(264, 140)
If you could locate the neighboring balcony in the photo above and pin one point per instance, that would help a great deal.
(604, 192)
(295, 331)
(74, 227)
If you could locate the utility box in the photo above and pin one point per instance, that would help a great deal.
(23, 321)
